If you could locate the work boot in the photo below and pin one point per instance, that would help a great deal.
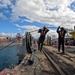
(38, 48)
(62, 53)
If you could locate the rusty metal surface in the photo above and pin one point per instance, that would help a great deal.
(54, 64)
(65, 61)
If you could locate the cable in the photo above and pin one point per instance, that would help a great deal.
(7, 45)
(27, 42)
(34, 30)
(10, 43)
(38, 29)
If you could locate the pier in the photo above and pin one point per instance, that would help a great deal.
(47, 62)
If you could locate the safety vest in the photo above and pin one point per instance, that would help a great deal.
(43, 32)
(62, 33)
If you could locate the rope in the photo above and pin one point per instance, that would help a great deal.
(27, 42)
(7, 45)
(38, 29)
(10, 43)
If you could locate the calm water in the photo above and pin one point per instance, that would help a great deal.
(8, 56)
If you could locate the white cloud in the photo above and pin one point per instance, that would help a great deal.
(2, 16)
(19, 30)
(39, 10)
(4, 3)
(28, 27)
(52, 33)
(11, 35)
(25, 20)
(34, 30)
(54, 12)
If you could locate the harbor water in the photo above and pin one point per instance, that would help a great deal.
(8, 57)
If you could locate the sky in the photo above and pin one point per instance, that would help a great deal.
(19, 16)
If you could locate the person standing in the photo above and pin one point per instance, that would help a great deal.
(42, 37)
(61, 34)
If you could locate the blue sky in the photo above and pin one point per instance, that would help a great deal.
(18, 16)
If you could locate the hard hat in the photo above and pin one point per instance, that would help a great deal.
(62, 28)
(45, 27)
